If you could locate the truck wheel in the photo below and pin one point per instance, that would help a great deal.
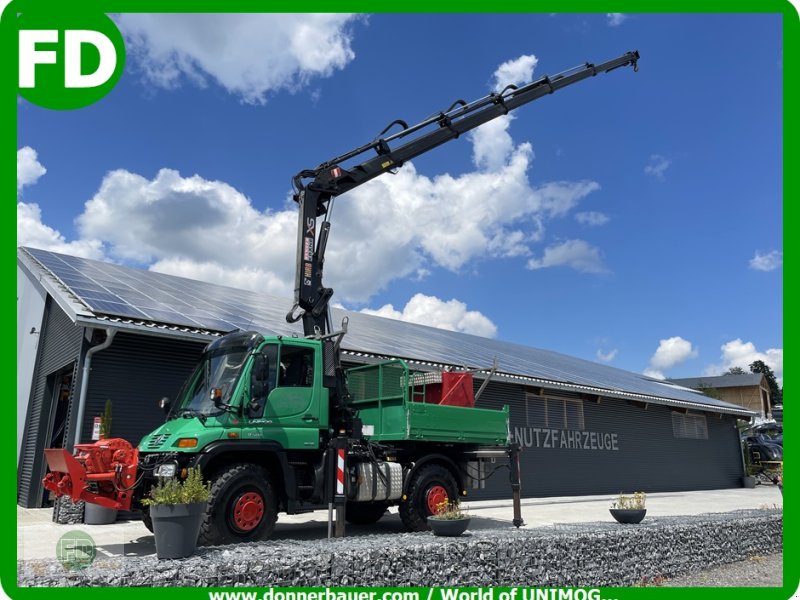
(242, 506)
(430, 486)
(364, 513)
(147, 520)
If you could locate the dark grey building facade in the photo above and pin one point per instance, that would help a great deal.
(585, 428)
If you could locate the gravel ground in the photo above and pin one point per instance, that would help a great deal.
(575, 554)
(756, 571)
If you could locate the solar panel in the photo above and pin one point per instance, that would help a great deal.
(144, 295)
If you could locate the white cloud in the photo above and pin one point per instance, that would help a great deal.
(671, 352)
(657, 166)
(247, 54)
(515, 72)
(430, 310)
(193, 227)
(654, 373)
(29, 169)
(32, 232)
(616, 19)
(492, 144)
(591, 218)
(767, 262)
(606, 356)
(576, 254)
(737, 353)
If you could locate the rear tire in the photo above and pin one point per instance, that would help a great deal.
(429, 486)
(242, 507)
(364, 513)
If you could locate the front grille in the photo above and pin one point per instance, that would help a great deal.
(157, 441)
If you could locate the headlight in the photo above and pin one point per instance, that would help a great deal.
(166, 470)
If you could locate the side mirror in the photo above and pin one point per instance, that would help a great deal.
(164, 404)
(216, 398)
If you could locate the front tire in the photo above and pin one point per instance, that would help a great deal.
(242, 507)
(430, 486)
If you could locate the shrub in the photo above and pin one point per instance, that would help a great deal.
(449, 511)
(633, 502)
(172, 491)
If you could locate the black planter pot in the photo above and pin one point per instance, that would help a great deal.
(748, 481)
(628, 515)
(176, 527)
(94, 514)
(448, 527)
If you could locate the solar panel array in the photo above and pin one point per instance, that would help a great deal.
(109, 289)
(114, 290)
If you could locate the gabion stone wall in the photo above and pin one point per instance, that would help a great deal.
(586, 554)
(67, 512)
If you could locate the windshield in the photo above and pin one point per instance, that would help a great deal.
(218, 369)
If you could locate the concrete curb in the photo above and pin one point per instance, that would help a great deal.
(583, 554)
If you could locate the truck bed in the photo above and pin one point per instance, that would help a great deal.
(392, 408)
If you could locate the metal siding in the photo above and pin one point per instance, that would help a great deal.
(649, 458)
(60, 344)
(134, 373)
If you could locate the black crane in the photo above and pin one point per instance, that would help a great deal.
(314, 189)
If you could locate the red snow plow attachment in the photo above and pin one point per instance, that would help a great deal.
(101, 473)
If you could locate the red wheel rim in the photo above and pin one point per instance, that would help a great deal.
(248, 511)
(436, 495)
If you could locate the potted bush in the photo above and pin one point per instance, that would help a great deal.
(629, 509)
(94, 514)
(449, 519)
(176, 510)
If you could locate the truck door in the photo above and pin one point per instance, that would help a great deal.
(288, 409)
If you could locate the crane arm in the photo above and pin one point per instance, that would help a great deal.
(315, 188)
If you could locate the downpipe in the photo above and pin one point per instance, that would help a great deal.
(87, 367)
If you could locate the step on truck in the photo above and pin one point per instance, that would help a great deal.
(278, 424)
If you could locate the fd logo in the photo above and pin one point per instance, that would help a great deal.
(68, 60)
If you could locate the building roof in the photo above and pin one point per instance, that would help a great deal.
(721, 381)
(100, 294)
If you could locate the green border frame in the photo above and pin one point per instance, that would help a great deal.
(8, 148)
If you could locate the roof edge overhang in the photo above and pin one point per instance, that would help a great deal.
(54, 287)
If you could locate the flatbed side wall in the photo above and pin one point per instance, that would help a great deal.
(390, 412)
(434, 422)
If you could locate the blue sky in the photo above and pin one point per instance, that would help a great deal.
(633, 219)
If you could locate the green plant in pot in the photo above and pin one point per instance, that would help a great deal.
(629, 509)
(449, 519)
(176, 510)
(105, 422)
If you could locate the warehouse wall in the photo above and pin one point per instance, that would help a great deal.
(612, 446)
(571, 446)
(135, 372)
